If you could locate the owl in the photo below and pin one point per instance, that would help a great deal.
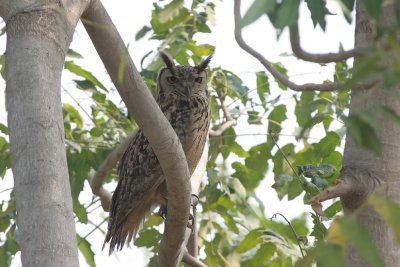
(183, 97)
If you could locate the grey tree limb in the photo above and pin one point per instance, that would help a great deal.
(96, 184)
(321, 58)
(142, 106)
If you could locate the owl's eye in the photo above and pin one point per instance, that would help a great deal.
(172, 79)
(198, 79)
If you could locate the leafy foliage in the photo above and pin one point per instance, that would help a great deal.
(234, 227)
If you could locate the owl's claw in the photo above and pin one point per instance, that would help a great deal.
(163, 211)
(193, 202)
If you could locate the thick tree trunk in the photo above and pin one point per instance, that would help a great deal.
(38, 37)
(370, 171)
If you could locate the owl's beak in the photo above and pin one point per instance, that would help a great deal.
(188, 91)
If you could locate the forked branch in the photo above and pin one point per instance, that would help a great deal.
(278, 75)
(108, 164)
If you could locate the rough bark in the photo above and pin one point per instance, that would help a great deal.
(38, 36)
(369, 171)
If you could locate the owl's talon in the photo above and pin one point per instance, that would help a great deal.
(163, 212)
(190, 223)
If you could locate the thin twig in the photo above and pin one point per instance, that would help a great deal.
(230, 121)
(97, 182)
(92, 231)
(278, 75)
(291, 227)
(284, 156)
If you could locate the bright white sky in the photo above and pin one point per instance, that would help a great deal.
(129, 18)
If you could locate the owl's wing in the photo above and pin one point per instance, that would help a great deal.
(140, 175)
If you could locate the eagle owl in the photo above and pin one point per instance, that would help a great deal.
(183, 97)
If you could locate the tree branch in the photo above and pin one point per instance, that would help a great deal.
(192, 261)
(230, 121)
(142, 106)
(196, 180)
(279, 76)
(98, 179)
(317, 58)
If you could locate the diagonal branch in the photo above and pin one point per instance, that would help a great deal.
(317, 58)
(144, 109)
(278, 75)
(101, 174)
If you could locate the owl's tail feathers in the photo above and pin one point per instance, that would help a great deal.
(127, 229)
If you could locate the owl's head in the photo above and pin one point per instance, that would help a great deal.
(183, 81)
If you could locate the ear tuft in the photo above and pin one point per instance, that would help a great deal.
(168, 61)
(204, 64)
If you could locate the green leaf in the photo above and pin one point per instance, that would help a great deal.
(236, 83)
(397, 10)
(238, 187)
(333, 209)
(96, 132)
(329, 255)
(281, 68)
(80, 211)
(263, 255)
(359, 236)
(73, 115)
(256, 10)
(286, 14)
(349, 4)
(147, 238)
(262, 86)
(3, 66)
(72, 53)
(4, 129)
(162, 28)
(86, 250)
(258, 158)
(327, 145)
(275, 118)
(72, 67)
(294, 189)
(318, 11)
(319, 230)
(373, 8)
(142, 32)
(84, 84)
(249, 178)
(12, 246)
(200, 50)
(252, 239)
(170, 11)
(4, 222)
(363, 133)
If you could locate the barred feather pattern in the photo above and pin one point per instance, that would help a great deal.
(142, 183)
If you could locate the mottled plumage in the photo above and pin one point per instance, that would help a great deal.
(183, 97)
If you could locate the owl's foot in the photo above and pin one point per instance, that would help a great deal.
(163, 211)
(192, 216)
(193, 202)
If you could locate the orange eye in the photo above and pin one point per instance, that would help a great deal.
(172, 79)
(198, 79)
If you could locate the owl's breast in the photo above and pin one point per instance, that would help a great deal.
(190, 120)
